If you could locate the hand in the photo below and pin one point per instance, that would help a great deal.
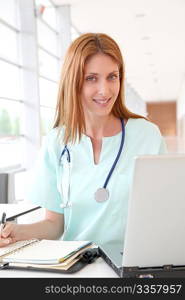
(8, 234)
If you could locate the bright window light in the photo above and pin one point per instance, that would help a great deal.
(10, 81)
(48, 93)
(48, 65)
(9, 47)
(8, 12)
(47, 38)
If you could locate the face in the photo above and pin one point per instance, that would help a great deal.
(100, 86)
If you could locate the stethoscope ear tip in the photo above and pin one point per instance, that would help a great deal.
(68, 154)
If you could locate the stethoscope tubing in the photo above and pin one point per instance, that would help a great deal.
(115, 162)
(118, 155)
(68, 155)
(68, 203)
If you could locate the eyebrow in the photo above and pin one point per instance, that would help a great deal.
(92, 73)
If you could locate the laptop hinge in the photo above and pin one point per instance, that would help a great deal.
(167, 267)
(130, 269)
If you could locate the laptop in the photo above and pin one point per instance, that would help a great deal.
(154, 243)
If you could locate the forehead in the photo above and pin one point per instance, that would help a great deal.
(100, 63)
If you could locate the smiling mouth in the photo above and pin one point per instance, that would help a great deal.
(101, 102)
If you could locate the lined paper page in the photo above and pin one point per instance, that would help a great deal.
(15, 246)
(45, 252)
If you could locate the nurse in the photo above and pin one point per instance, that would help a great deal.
(84, 172)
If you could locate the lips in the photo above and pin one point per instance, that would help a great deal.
(101, 101)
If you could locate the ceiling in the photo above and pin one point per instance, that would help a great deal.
(151, 35)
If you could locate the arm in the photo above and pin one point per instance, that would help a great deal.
(51, 227)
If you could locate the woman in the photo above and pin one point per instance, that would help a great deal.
(85, 170)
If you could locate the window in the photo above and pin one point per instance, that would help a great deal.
(46, 9)
(30, 62)
(8, 12)
(74, 33)
(48, 65)
(49, 62)
(9, 47)
(10, 87)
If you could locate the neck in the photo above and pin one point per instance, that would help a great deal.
(100, 126)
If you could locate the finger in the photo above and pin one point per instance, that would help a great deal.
(6, 242)
(7, 230)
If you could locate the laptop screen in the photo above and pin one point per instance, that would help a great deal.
(156, 215)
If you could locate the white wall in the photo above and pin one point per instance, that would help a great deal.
(134, 102)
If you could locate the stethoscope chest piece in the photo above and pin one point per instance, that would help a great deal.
(101, 195)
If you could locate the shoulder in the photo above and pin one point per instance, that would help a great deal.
(53, 141)
(145, 136)
(143, 127)
(55, 135)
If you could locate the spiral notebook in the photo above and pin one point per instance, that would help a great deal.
(44, 253)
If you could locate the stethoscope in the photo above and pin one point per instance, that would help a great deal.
(102, 194)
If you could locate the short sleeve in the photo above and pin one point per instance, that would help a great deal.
(42, 188)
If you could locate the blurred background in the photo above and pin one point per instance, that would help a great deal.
(34, 36)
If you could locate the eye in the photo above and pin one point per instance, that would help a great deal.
(113, 76)
(90, 78)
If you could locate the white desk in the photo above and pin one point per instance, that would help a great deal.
(97, 269)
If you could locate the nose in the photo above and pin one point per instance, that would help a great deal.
(103, 87)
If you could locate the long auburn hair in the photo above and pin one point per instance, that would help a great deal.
(69, 111)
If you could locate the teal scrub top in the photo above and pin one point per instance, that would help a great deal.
(87, 219)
